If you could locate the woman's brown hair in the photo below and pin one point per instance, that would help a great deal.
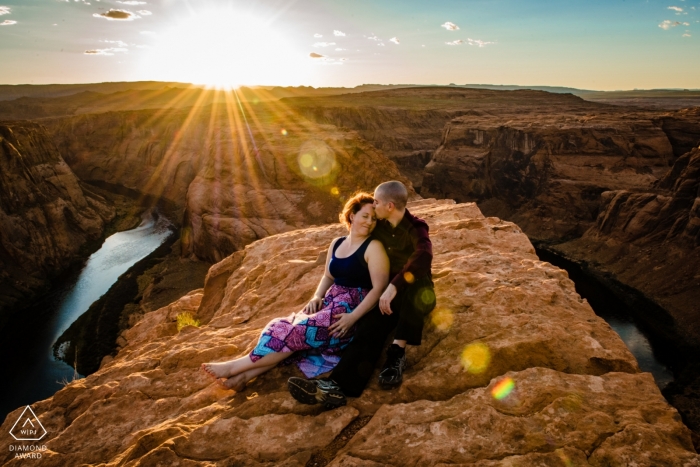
(353, 206)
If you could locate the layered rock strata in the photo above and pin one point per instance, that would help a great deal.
(46, 214)
(515, 369)
(232, 173)
(546, 173)
(644, 238)
(406, 124)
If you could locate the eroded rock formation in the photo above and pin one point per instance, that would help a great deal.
(546, 173)
(650, 241)
(553, 164)
(231, 174)
(515, 369)
(46, 214)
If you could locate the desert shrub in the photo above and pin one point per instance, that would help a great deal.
(186, 319)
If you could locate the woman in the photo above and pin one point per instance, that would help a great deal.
(356, 273)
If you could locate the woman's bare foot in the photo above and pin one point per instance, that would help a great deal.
(219, 369)
(237, 383)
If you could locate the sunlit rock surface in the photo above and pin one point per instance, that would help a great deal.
(515, 369)
(231, 173)
(46, 214)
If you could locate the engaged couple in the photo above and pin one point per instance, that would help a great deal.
(377, 279)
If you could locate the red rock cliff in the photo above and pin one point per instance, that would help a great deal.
(234, 174)
(46, 213)
(515, 369)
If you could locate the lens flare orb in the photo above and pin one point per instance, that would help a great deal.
(284, 132)
(476, 358)
(503, 388)
(317, 162)
(442, 319)
(335, 191)
(565, 459)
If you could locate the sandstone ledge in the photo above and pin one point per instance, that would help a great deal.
(549, 382)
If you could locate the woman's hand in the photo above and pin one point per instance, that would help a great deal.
(341, 327)
(314, 305)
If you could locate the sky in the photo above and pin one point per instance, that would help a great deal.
(585, 44)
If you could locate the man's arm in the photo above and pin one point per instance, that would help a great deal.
(418, 264)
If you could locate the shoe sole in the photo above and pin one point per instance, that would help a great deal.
(301, 394)
(330, 400)
(333, 400)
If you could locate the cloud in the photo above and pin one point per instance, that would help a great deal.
(478, 42)
(317, 35)
(108, 51)
(8, 22)
(668, 24)
(333, 61)
(686, 23)
(338, 49)
(131, 2)
(449, 26)
(373, 37)
(144, 12)
(394, 40)
(116, 15)
(315, 55)
(457, 42)
(676, 8)
(323, 44)
(687, 34)
(117, 43)
(338, 33)
(4, 10)
(381, 44)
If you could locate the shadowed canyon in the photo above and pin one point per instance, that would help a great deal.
(252, 184)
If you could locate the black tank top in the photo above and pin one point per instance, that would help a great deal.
(353, 270)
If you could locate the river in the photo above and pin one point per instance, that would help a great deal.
(31, 371)
(618, 315)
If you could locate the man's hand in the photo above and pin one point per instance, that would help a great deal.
(386, 298)
(341, 327)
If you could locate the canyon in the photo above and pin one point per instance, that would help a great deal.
(47, 215)
(515, 369)
(547, 162)
(612, 188)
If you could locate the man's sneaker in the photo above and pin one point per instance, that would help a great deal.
(314, 391)
(392, 372)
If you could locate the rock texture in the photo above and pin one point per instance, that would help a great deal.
(46, 214)
(232, 174)
(644, 238)
(547, 172)
(515, 369)
(557, 166)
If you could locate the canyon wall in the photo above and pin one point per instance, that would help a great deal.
(649, 240)
(515, 369)
(546, 173)
(231, 174)
(46, 214)
(551, 163)
(407, 124)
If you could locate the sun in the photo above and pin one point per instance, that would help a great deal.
(223, 47)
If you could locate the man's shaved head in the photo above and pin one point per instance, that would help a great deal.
(394, 192)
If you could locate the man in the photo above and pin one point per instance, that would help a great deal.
(403, 306)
